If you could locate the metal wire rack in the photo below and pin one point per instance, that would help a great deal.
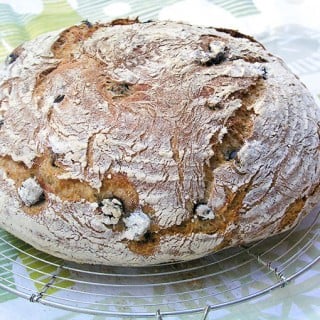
(200, 286)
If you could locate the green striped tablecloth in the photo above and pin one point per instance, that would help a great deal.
(289, 28)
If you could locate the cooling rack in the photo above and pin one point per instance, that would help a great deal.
(199, 286)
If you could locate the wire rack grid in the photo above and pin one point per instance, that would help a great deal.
(199, 286)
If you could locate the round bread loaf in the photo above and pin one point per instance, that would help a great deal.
(133, 143)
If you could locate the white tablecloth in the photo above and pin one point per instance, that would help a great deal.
(288, 28)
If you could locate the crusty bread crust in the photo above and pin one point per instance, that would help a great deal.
(135, 143)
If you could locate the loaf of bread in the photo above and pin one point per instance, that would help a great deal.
(131, 143)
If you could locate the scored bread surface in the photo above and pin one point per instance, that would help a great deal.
(133, 143)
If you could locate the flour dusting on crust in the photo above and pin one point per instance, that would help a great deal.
(132, 143)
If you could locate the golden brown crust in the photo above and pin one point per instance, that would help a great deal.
(237, 34)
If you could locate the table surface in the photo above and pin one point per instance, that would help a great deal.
(288, 28)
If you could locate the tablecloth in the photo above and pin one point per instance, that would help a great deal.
(288, 28)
